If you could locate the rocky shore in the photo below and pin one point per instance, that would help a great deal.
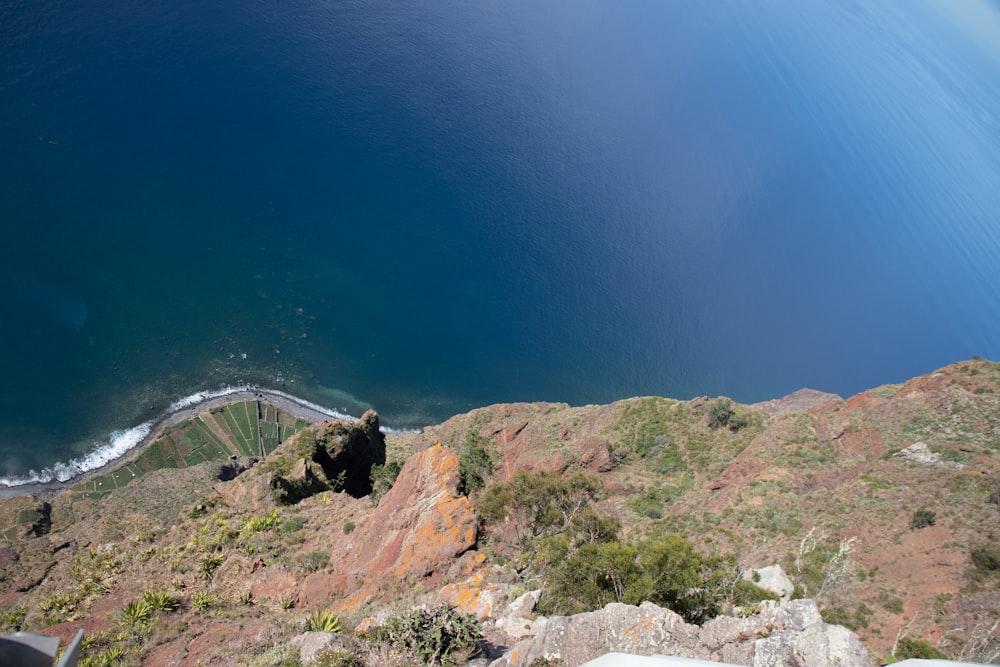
(286, 402)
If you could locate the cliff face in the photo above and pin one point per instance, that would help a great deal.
(884, 508)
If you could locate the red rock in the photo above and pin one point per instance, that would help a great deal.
(420, 525)
(319, 588)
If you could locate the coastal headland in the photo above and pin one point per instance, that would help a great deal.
(181, 412)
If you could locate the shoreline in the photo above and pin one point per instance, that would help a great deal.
(177, 413)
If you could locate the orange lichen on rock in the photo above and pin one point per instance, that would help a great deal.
(421, 524)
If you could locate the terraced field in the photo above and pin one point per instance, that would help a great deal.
(248, 428)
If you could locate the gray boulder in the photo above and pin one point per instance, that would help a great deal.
(311, 644)
(771, 578)
(516, 621)
(781, 633)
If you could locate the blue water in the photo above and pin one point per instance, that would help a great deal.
(429, 206)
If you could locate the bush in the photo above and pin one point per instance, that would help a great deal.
(382, 478)
(986, 557)
(432, 635)
(209, 564)
(922, 518)
(748, 593)
(908, 648)
(722, 414)
(292, 524)
(349, 528)
(314, 561)
(538, 504)
(719, 413)
(475, 463)
(666, 571)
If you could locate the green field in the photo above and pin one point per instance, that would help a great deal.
(213, 435)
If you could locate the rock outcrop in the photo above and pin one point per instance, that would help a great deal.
(771, 578)
(919, 452)
(421, 524)
(335, 455)
(786, 633)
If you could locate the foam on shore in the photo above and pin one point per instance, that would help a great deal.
(121, 442)
(118, 444)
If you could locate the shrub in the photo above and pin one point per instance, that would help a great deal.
(747, 593)
(538, 504)
(432, 635)
(720, 413)
(922, 518)
(666, 571)
(475, 463)
(323, 621)
(986, 557)
(383, 477)
(907, 648)
(349, 527)
(292, 524)
(314, 561)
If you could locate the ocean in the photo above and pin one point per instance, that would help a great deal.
(429, 206)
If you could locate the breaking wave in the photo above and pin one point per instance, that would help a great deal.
(119, 443)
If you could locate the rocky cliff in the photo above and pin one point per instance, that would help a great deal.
(883, 509)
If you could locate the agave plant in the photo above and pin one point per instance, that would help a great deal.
(323, 621)
(160, 600)
(136, 612)
(203, 600)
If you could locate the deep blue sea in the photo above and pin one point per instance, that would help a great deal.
(433, 205)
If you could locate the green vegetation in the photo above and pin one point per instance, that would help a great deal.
(475, 462)
(323, 621)
(923, 518)
(675, 441)
(537, 504)
(203, 601)
(435, 636)
(135, 613)
(159, 600)
(722, 414)
(256, 524)
(209, 564)
(292, 524)
(860, 618)
(665, 571)
(576, 553)
(12, 620)
(314, 561)
(226, 431)
(908, 648)
(383, 477)
(986, 556)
